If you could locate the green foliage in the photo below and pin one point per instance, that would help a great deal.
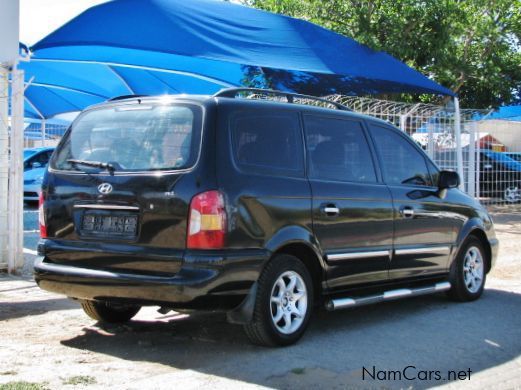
(22, 385)
(470, 46)
(80, 380)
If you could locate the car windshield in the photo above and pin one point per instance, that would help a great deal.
(136, 137)
(28, 153)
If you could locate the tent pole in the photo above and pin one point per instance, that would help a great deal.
(15, 203)
(43, 129)
(457, 134)
(4, 163)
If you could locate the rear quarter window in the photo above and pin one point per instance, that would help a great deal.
(267, 143)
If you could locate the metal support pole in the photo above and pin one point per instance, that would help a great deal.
(430, 140)
(472, 160)
(457, 135)
(15, 203)
(4, 163)
(43, 129)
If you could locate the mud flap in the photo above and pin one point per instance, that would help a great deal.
(243, 313)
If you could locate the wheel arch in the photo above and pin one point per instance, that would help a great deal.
(482, 237)
(475, 227)
(299, 242)
(310, 259)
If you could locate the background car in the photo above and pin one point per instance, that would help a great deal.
(514, 155)
(500, 176)
(35, 164)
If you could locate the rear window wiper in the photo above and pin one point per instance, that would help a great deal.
(95, 164)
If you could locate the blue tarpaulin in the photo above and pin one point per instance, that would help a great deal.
(201, 46)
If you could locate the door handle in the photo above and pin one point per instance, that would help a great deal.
(331, 210)
(407, 212)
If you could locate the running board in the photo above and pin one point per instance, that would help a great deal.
(344, 303)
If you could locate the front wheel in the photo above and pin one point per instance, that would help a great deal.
(511, 194)
(283, 303)
(467, 274)
(109, 312)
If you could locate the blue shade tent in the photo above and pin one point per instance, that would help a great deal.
(57, 87)
(201, 46)
(509, 113)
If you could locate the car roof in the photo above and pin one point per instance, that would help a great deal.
(209, 99)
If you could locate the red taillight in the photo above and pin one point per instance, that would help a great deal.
(41, 217)
(206, 221)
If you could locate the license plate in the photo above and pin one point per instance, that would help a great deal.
(123, 225)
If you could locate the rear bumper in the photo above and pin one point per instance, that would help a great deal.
(206, 280)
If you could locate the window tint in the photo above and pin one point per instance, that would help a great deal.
(402, 163)
(338, 150)
(269, 143)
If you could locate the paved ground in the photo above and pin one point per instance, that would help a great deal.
(46, 339)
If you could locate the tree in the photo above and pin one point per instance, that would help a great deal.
(470, 46)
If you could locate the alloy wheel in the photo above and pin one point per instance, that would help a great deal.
(473, 269)
(288, 302)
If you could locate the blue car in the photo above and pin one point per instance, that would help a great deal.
(514, 155)
(35, 164)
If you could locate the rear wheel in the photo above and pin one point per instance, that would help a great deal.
(283, 303)
(467, 274)
(109, 312)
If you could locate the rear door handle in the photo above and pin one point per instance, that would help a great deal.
(407, 212)
(331, 210)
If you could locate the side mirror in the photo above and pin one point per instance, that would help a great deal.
(36, 165)
(448, 179)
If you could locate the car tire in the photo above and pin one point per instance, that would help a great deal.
(283, 303)
(107, 312)
(468, 272)
(511, 194)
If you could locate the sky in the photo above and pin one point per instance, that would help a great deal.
(38, 18)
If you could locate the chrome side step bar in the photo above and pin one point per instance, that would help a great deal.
(344, 303)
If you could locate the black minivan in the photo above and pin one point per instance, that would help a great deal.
(263, 204)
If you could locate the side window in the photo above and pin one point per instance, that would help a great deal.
(402, 163)
(338, 150)
(266, 142)
(434, 171)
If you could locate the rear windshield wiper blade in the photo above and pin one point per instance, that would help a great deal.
(95, 164)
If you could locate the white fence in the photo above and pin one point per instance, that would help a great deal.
(491, 149)
(37, 134)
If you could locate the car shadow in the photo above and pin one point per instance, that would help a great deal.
(12, 310)
(429, 333)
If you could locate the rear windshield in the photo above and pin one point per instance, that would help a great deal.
(138, 137)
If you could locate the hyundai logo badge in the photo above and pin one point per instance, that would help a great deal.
(105, 188)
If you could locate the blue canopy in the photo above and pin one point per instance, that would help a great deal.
(509, 113)
(201, 46)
